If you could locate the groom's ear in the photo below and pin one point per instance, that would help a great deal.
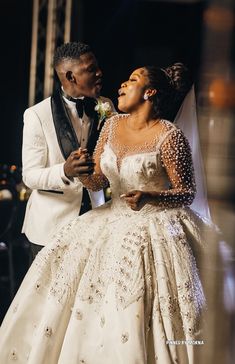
(70, 77)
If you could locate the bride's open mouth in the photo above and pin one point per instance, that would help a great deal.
(121, 93)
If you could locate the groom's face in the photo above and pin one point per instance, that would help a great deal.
(87, 76)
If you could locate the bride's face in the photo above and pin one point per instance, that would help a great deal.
(131, 93)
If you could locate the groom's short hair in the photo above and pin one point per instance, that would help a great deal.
(68, 51)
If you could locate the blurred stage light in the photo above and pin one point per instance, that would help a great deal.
(222, 93)
(219, 18)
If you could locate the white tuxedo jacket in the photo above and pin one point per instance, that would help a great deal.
(54, 200)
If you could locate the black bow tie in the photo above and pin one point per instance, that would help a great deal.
(87, 105)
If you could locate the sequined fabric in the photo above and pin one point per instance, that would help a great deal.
(116, 285)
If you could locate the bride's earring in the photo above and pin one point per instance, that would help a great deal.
(146, 97)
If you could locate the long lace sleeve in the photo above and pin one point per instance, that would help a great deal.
(177, 160)
(98, 180)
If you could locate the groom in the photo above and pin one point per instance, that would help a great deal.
(53, 130)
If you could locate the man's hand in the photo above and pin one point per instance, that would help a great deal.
(135, 199)
(79, 163)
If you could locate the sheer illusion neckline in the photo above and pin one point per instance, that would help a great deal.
(122, 151)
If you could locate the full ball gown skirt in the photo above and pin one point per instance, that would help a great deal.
(115, 285)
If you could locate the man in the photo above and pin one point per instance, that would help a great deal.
(54, 130)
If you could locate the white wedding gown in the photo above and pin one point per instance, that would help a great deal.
(115, 284)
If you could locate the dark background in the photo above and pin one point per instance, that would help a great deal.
(124, 34)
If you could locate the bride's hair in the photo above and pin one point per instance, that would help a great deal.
(172, 85)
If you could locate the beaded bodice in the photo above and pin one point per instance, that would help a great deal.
(162, 165)
(129, 170)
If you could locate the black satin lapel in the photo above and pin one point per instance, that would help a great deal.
(92, 124)
(65, 133)
(94, 133)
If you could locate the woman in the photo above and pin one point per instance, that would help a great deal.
(120, 283)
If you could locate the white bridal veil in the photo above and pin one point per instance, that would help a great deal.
(186, 119)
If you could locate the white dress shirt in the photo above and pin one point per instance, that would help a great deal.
(80, 125)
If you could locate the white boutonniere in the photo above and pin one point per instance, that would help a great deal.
(104, 110)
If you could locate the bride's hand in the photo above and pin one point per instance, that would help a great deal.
(135, 199)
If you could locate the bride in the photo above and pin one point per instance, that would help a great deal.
(120, 283)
